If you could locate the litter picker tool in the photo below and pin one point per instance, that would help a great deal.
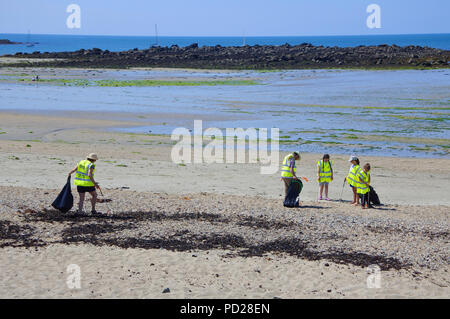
(109, 211)
(342, 191)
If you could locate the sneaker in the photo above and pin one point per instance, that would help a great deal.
(326, 198)
(320, 198)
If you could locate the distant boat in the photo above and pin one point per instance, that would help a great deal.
(156, 36)
(28, 43)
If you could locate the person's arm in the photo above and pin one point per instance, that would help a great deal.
(293, 173)
(92, 178)
(291, 168)
(331, 166)
(361, 179)
(318, 173)
(73, 171)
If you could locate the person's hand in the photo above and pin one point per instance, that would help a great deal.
(295, 177)
(331, 177)
(97, 186)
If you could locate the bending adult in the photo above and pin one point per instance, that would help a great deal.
(84, 179)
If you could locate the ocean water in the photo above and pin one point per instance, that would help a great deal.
(57, 43)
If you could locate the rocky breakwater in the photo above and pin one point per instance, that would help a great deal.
(6, 41)
(250, 57)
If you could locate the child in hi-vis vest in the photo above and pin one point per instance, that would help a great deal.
(324, 175)
(352, 178)
(363, 188)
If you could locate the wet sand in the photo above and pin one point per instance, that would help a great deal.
(312, 112)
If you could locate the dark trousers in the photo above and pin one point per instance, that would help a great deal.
(364, 199)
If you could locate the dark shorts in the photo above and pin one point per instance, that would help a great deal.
(85, 189)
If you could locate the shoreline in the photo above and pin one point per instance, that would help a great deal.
(132, 124)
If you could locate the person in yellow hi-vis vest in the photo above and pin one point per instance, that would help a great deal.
(324, 175)
(352, 178)
(84, 179)
(363, 188)
(289, 170)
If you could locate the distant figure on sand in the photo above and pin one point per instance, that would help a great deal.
(352, 178)
(84, 179)
(324, 175)
(289, 170)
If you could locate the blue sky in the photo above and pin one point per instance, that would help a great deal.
(225, 17)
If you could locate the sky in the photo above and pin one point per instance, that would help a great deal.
(225, 17)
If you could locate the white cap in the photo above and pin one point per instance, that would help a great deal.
(353, 158)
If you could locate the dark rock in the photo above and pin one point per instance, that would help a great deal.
(192, 46)
(286, 56)
(166, 291)
(6, 41)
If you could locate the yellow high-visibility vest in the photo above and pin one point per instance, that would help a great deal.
(325, 171)
(82, 173)
(285, 169)
(363, 176)
(352, 178)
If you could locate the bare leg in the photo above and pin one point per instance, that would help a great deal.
(321, 191)
(355, 196)
(326, 190)
(93, 199)
(81, 202)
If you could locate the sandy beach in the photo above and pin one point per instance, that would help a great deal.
(209, 231)
(183, 122)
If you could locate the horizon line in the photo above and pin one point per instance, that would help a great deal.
(230, 36)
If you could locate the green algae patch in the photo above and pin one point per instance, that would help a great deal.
(116, 83)
(352, 107)
(137, 83)
(421, 118)
(405, 139)
(70, 82)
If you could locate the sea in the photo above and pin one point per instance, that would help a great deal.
(59, 43)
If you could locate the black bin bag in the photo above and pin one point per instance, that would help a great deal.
(373, 197)
(64, 201)
(291, 199)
